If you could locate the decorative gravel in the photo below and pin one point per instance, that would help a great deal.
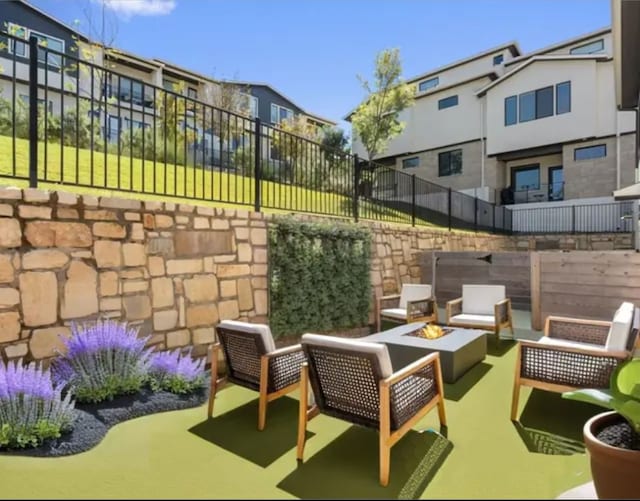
(94, 420)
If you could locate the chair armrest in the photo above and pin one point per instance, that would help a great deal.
(411, 369)
(577, 329)
(284, 367)
(454, 307)
(502, 310)
(391, 301)
(568, 366)
(419, 308)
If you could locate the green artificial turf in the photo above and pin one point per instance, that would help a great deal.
(182, 455)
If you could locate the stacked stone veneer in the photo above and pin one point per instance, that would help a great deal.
(174, 270)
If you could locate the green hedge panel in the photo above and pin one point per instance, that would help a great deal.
(319, 276)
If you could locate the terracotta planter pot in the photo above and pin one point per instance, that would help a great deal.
(614, 470)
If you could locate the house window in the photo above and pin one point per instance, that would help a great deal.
(447, 102)
(449, 163)
(589, 48)
(168, 85)
(428, 84)
(280, 113)
(527, 106)
(192, 93)
(25, 100)
(590, 152)
(510, 110)
(22, 49)
(544, 102)
(252, 103)
(498, 59)
(408, 163)
(563, 98)
(16, 47)
(526, 178)
(113, 132)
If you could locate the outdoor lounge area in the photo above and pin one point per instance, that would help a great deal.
(185, 455)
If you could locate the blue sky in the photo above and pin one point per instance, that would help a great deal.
(312, 50)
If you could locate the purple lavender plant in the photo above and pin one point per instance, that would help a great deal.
(32, 408)
(102, 360)
(176, 372)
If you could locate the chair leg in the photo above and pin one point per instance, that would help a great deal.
(385, 460)
(385, 433)
(302, 411)
(214, 381)
(264, 388)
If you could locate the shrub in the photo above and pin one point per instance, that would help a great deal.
(32, 408)
(102, 361)
(175, 372)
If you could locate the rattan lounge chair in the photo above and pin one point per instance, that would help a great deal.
(253, 362)
(354, 381)
(415, 303)
(481, 307)
(575, 353)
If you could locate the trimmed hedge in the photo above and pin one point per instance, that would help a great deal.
(319, 276)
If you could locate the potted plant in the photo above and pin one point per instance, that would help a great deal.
(613, 438)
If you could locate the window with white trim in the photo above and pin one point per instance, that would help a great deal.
(21, 49)
(280, 113)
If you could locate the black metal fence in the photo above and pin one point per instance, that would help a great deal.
(71, 121)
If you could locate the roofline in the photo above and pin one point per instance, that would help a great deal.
(193, 74)
(531, 60)
(512, 46)
(273, 89)
(115, 52)
(490, 74)
(559, 45)
(83, 37)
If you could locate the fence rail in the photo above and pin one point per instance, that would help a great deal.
(70, 121)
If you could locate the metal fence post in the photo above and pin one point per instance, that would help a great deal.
(475, 213)
(257, 174)
(449, 207)
(413, 200)
(356, 182)
(493, 218)
(33, 111)
(573, 219)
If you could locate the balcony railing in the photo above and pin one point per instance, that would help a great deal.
(552, 192)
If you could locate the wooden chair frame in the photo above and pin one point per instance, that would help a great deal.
(502, 312)
(415, 310)
(264, 395)
(604, 358)
(387, 437)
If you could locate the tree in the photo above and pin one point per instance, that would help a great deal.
(335, 141)
(298, 143)
(375, 121)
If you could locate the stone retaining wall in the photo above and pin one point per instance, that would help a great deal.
(173, 270)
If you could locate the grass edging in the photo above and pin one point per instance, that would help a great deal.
(93, 421)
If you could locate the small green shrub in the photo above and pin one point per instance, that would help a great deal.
(319, 276)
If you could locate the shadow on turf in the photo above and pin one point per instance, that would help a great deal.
(237, 431)
(550, 424)
(455, 391)
(348, 467)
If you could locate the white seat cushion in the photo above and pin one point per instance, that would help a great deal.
(262, 329)
(469, 319)
(620, 328)
(563, 343)
(398, 313)
(351, 345)
(481, 299)
(414, 292)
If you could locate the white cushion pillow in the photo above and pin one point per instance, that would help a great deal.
(262, 329)
(481, 299)
(620, 328)
(414, 292)
(364, 347)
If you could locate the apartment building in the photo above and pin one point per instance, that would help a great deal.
(130, 88)
(513, 128)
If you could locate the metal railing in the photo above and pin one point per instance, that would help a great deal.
(551, 192)
(71, 122)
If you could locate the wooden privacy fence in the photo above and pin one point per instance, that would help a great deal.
(454, 269)
(583, 284)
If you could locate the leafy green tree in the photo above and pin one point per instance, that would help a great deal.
(375, 121)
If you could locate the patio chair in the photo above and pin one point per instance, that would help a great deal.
(415, 303)
(481, 307)
(575, 353)
(253, 362)
(353, 380)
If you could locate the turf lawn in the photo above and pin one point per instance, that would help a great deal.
(131, 177)
(182, 455)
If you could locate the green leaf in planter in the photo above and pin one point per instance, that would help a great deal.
(630, 410)
(625, 380)
(603, 398)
